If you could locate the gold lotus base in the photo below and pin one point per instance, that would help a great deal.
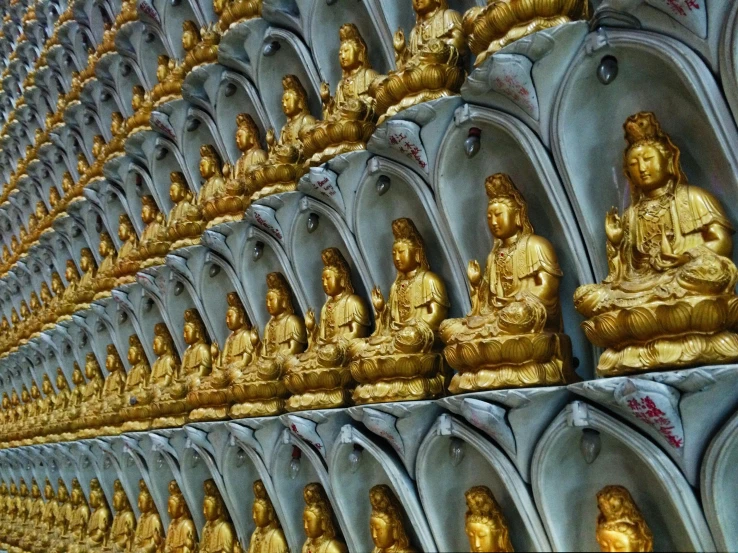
(319, 399)
(521, 31)
(186, 242)
(399, 389)
(136, 426)
(415, 99)
(398, 377)
(271, 189)
(228, 218)
(257, 408)
(329, 139)
(171, 421)
(213, 413)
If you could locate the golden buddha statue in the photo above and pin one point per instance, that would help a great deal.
(138, 377)
(76, 538)
(669, 300)
(64, 514)
(126, 264)
(201, 46)
(107, 412)
(231, 12)
(166, 88)
(217, 206)
(620, 524)
(485, 525)
(124, 522)
(283, 167)
(398, 362)
(257, 390)
(210, 397)
(154, 243)
(86, 287)
(62, 399)
(98, 527)
(386, 522)
(502, 22)
(105, 280)
(33, 518)
(68, 303)
(319, 524)
(47, 523)
(54, 201)
(348, 118)
(186, 222)
(91, 396)
(149, 537)
(119, 130)
(218, 534)
(248, 141)
(430, 66)
(181, 534)
(45, 405)
(164, 372)
(320, 377)
(268, 536)
(142, 108)
(513, 335)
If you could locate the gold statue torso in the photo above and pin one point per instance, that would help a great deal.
(217, 536)
(181, 537)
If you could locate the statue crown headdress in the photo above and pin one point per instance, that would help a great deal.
(277, 282)
(209, 151)
(160, 329)
(234, 301)
(643, 126)
(291, 82)
(405, 229)
(193, 317)
(260, 491)
(112, 350)
(245, 120)
(118, 486)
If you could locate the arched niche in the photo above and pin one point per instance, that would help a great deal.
(508, 146)
(324, 22)
(407, 196)
(565, 485)
(52, 157)
(163, 158)
(195, 473)
(100, 98)
(195, 129)
(305, 248)
(587, 128)
(172, 18)
(113, 208)
(121, 73)
(729, 60)
(288, 53)
(442, 482)
(144, 42)
(358, 463)
(719, 488)
(110, 315)
(235, 95)
(139, 309)
(118, 462)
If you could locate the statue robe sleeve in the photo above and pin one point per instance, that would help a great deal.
(698, 208)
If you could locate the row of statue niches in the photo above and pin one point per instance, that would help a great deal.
(60, 521)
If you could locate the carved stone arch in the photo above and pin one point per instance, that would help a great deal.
(172, 18)
(122, 73)
(115, 454)
(587, 134)
(143, 43)
(89, 14)
(728, 60)
(143, 314)
(194, 470)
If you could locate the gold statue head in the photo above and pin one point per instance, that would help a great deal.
(386, 522)
(92, 367)
(263, 511)
(35, 490)
(279, 296)
(135, 350)
(162, 68)
(117, 123)
(41, 210)
(25, 396)
(213, 506)
(294, 98)
(163, 343)
(61, 380)
(62, 491)
(317, 517)
(149, 209)
(97, 497)
(77, 496)
(507, 211)
(35, 302)
(48, 490)
(177, 507)
(178, 188)
(23, 488)
(120, 499)
(247, 133)
(426, 7)
(71, 272)
(35, 392)
(194, 329)
(112, 359)
(46, 386)
(98, 143)
(210, 162)
(486, 527)
(190, 35)
(6, 401)
(408, 250)
(82, 165)
(67, 180)
(87, 260)
(106, 246)
(353, 52)
(336, 273)
(54, 196)
(125, 228)
(236, 314)
(145, 501)
(24, 311)
(57, 285)
(620, 524)
(651, 160)
(139, 94)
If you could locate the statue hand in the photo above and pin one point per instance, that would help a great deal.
(325, 92)
(474, 273)
(271, 138)
(310, 321)
(613, 226)
(377, 299)
(399, 41)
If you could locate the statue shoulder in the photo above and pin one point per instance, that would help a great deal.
(355, 309)
(540, 255)
(295, 327)
(703, 208)
(434, 289)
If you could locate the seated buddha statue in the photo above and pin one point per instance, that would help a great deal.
(54, 309)
(257, 390)
(164, 372)
(86, 287)
(126, 264)
(169, 76)
(142, 107)
(181, 534)
(669, 300)
(210, 396)
(68, 303)
(36, 308)
(171, 405)
(268, 536)
(387, 522)
(98, 527)
(64, 518)
(205, 47)
(212, 198)
(57, 423)
(218, 534)
(149, 536)
(123, 526)
(348, 118)
(114, 148)
(620, 524)
(43, 219)
(91, 396)
(55, 201)
(154, 243)
(105, 280)
(319, 523)
(76, 539)
(492, 27)
(484, 523)
(186, 222)
(231, 12)
(284, 165)
(46, 526)
(399, 361)
(137, 379)
(430, 66)
(320, 377)
(33, 518)
(513, 335)
(107, 411)
(45, 406)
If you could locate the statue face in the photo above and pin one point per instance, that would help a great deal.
(134, 355)
(647, 167)
(63, 493)
(69, 273)
(290, 103)
(60, 382)
(210, 508)
(260, 514)
(381, 533)
(244, 139)
(332, 282)
(612, 541)
(405, 256)
(144, 502)
(48, 491)
(95, 499)
(175, 191)
(147, 213)
(189, 40)
(502, 220)
(191, 334)
(77, 376)
(160, 345)
(90, 369)
(123, 231)
(206, 167)
(173, 506)
(117, 501)
(46, 386)
(75, 497)
(234, 319)
(348, 55)
(481, 537)
(274, 303)
(312, 524)
(422, 7)
(84, 262)
(111, 362)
